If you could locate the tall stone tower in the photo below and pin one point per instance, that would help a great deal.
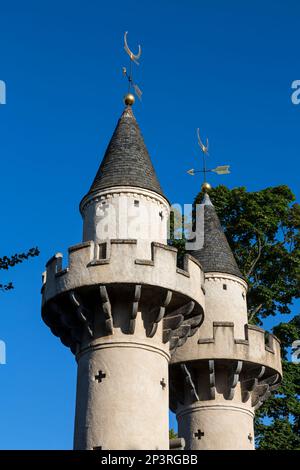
(224, 372)
(120, 303)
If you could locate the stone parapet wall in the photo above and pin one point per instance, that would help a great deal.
(255, 347)
(121, 266)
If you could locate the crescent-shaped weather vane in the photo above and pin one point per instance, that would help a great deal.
(129, 99)
(203, 147)
(133, 57)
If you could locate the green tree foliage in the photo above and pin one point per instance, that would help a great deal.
(7, 262)
(172, 434)
(282, 410)
(263, 230)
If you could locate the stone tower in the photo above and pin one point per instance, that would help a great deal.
(121, 304)
(228, 368)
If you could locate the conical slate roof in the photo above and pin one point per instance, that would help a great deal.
(126, 161)
(216, 254)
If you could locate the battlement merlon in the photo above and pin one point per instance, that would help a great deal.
(253, 348)
(121, 266)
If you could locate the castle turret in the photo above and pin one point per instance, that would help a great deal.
(121, 304)
(225, 287)
(223, 373)
(126, 199)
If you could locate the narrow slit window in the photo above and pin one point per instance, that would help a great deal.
(102, 251)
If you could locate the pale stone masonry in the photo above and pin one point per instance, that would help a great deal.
(225, 372)
(142, 329)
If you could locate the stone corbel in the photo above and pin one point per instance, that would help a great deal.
(134, 309)
(106, 307)
(212, 379)
(259, 395)
(263, 390)
(194, 323)
(234, 378)
(82, 313)
(257, 372)
(174, 340)
(183, 332)
(171, 323)
(186, 327)
(248, 385)
(160, 312)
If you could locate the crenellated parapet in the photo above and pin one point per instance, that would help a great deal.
(251, 365)
(115, 262)
(79, 300)
(256, 346)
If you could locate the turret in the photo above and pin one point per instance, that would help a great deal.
(121, 304)
(225, 372)
(225, 287)
(126, 199)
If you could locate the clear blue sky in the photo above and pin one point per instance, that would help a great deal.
(223, 66)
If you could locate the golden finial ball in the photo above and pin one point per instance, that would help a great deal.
(206, 187)
(129, 99)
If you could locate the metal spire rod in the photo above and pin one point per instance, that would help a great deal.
(220, 170)
(133, 58)
(204, 149)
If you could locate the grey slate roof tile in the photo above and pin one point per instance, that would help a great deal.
(126, 161)
(216, 254)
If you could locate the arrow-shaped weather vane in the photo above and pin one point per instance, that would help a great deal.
(129, 99)
(219, 170)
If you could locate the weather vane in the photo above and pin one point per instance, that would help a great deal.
(129, 98)
(220, 170)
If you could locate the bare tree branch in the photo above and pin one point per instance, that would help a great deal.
(255, 261)
(253, 312)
